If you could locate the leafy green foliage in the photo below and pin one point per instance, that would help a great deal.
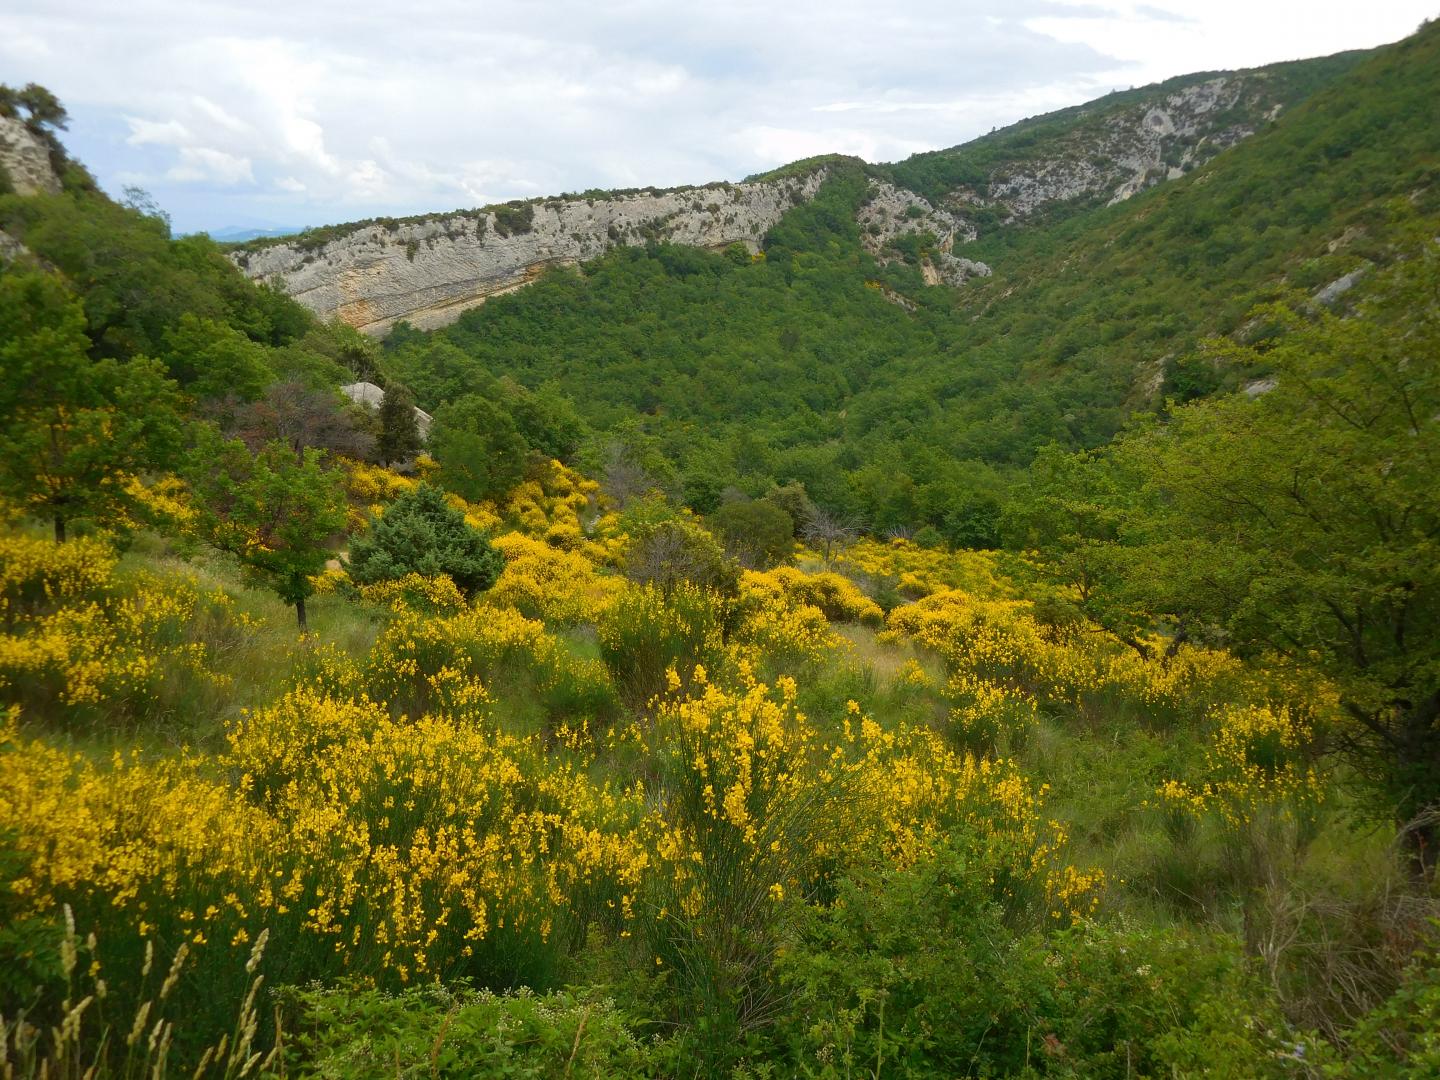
(421, 533)
(921, 972)
(480, 450)
(73, 430)
(273, 511)
(758, 532)
(357, 1034)
(399, 429)
(212, 360)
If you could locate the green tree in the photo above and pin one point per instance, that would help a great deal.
(271, 511)
(421, 533)
(756, 531)
(399, 430)
(1303, 522)
(212, 360)
(481, 454)
(43, 107)
(73, 430)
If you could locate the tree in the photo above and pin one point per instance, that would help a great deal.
(73, 430)
(421, 533)
(212, 360)
(271, 511)
(756, 531)
(399, 430)
(481, 454)
(303, 419)
(43, 106)
(828, 532)
(667, 548)
(1304, 523)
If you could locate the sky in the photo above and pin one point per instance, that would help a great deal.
(254, 114)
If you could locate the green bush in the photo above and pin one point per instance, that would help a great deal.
(420, 533)
(436, 1032)
(648, 631)
(920, 972)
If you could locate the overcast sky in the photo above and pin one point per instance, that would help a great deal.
(259, 113)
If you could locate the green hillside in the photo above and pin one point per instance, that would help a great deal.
(904, 405)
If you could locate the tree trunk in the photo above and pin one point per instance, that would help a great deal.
(1422, 849)
(59, 529)
(1419, 753)
(300, 614)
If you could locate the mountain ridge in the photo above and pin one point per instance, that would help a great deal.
(428, 269)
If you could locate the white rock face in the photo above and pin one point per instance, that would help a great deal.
(891, 212)
(27, 159)
(428, 272)
(1137, 148)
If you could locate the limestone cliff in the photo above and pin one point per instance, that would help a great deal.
(429, 270)
(25, 159)
(1134, 149)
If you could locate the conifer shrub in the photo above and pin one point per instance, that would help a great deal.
(422, 534)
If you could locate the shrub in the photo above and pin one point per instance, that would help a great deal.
(365, 1034)
(422, 534)
(648, 632)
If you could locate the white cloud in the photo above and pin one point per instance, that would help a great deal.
(296, 113)
(204, 163)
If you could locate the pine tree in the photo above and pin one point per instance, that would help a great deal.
(399, 430)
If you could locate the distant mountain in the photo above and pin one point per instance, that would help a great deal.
(238, 234)
(901, 339)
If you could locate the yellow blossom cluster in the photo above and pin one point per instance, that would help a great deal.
(553, 584)
(39, 575)
(550, 502)
(93, 638)
(759, 798)
(415, 591)
(834, 594)
(919, 571)
(1001, 643)
(1257, 756)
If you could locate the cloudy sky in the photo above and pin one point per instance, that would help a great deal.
(254, 113)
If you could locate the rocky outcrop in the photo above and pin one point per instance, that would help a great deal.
(428, 271)
(891, 212)
(1117, 153)
(10, 248)
(25, 159)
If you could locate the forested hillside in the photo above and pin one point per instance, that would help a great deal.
(761, 664)
(904, 406)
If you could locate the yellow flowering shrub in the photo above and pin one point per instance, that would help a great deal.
(920, 571)
(1000, 642)
(834, 594)
(38, 574)
(415, 592)
(112, 647)
(418, 661)
(776, 629)
(549, 503)
(759, 798)
(1257, 756)
(555, 585)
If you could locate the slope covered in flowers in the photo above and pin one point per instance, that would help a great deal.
(573, 775)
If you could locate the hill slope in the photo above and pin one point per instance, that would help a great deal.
(904, 405)
(427, 270)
